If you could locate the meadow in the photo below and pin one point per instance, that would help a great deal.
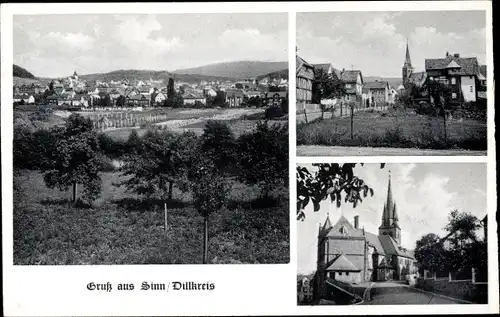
(122, 228)
(395, 128)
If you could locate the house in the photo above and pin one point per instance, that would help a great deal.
(353, 84)
(459, 73)
(52, 99)
(160, 98)
(234, 97)
(192, 98)
(379, 91)
(366, 96)
(351, 254)
(276, 98)
(482, 75)
(140, 100)
(25, 98)
(305, 77)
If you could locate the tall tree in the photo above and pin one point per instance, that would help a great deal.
(75, 159)
(431, 254)
(170, 88)
(264, 156)
(219, 143)
(210, 191)
(326, 86)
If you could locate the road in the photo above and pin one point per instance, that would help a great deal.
(388, 293)
(321, 150)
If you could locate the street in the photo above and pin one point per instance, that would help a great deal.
(387, 293)
(320, 150)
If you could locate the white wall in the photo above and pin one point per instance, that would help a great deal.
(353, 277)
(467, 82)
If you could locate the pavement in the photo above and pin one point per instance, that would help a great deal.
(387, 293)
(320, 150)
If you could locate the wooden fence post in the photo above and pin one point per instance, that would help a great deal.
(166, 223)
(473, 275)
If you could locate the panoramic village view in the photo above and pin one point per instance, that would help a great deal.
(392, 234)
(150, 139)
(391, 83)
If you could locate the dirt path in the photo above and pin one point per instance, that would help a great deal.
(320, 150)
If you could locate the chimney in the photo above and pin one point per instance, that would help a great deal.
(447, 54)
(356, 222)
(456, 55)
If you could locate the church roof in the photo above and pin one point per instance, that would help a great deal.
(391, 247)
(342, 263)
(343, 222)
(374, 241)
(407, 56)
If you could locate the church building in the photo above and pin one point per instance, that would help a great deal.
(351, 254)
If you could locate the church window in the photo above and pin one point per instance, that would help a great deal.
(454, 96)
(453, 80)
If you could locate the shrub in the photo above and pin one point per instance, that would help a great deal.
(274, 112)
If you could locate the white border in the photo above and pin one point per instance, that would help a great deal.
(240, 289)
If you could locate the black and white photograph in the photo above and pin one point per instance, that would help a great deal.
(391, 83)
(150, 139)
(392, 234)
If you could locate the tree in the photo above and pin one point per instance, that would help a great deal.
(162, 159)
(326, 86)
(220, 99)
(330, 180)
(120, 101)
(441, 95)
(430, 253)
(75, 159)
(209, 191)
(264, 156)
(219, 144)
(133, 144)
(170, 88)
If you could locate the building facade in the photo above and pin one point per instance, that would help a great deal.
(305, 77)
(350, 254)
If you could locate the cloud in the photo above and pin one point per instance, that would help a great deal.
(59, 41)
(136, 36)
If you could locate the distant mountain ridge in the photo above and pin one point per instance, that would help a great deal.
(18, 71)
(394, 82)
(277, 74)
(238, 70)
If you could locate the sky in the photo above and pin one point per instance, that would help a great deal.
(424, 195)
(375, 42)
(57, 45)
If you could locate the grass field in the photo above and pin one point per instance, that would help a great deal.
(121, 228)
(394, 129)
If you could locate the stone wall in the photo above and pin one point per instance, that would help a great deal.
(465, 289)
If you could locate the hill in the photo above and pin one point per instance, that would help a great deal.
(132, 74)
(394, 82)
(277, 74)
(238, 70)
(22, 73)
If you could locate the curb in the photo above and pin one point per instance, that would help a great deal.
(441, 295)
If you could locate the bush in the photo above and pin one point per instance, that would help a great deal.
(219, 143)
(274, 112)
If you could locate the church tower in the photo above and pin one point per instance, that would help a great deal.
(319, 291)
(390, 220)
(407, 68)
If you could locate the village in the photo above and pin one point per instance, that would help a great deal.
(74, 93)
(428, 108)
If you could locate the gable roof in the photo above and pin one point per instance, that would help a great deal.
(417, 78)
(299, 62)
(391, 247)
(342, 263)
(377, 85)
(468, 65)
(343, 222)
(374, 241)
(351, 76)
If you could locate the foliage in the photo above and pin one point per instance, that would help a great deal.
(209, 189)
(75, 158)
(162, 157)
(330, 180)
(326, 86)
(21, 72)
(120, 101)
(264, 156)
(219, 144)
(220, 100)
(274, 112)
(133, 144)
(430, 253)
(111, 147)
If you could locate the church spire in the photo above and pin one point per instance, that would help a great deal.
(407, 57)
(388, 214)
